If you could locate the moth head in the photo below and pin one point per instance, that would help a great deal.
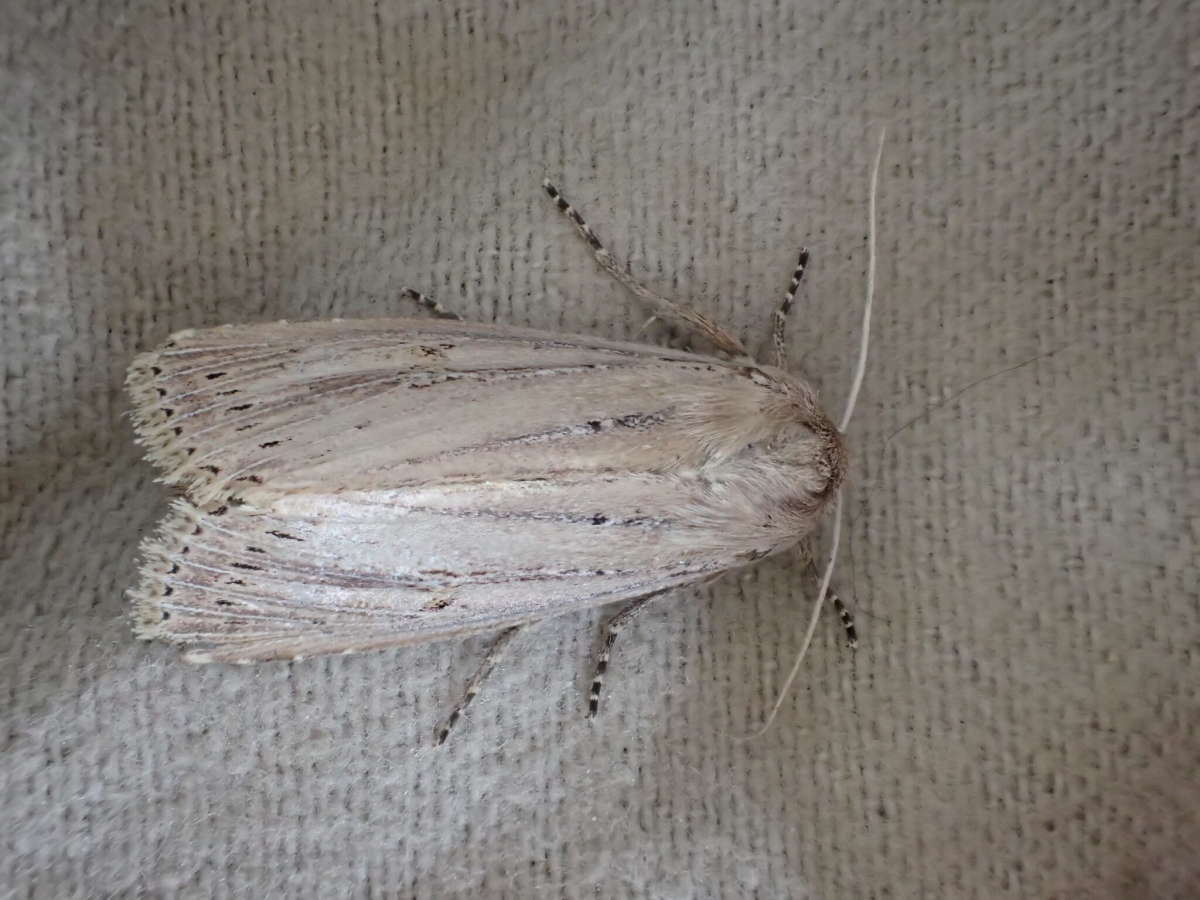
(772, 418)
(832, 457)
(802, 433)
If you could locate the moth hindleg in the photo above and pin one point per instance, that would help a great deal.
(491, 656)
(623, 617)
(430, 304)
(659, 305)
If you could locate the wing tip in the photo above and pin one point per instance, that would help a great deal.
(159, 436)
(151, 419)
(148, 599)
(152, 617)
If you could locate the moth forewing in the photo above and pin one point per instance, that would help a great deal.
(353, 485)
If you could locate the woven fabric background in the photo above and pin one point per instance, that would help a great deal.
(1022, 717)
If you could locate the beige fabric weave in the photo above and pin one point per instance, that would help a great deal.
(1022, 717)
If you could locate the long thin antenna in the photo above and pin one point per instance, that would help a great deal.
(851, 400)
(865, 339)
(826, 577)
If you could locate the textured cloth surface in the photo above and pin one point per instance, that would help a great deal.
(1021, 717)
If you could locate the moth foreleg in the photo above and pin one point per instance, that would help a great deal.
(491, 656)
(659, 305)
(847, 619)
(835, 601)
(779, 324)
(430, 304)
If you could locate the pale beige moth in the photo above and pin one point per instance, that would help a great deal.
(354, 485)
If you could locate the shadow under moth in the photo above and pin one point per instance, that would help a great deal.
(358, 485)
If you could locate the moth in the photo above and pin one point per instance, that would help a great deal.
(353, 485)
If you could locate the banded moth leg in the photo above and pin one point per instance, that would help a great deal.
(660, 306)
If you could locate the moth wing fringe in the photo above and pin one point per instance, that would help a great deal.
(248, 627)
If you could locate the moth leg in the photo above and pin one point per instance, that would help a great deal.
(492, 656)
(779, 325)
(659, 305)
(810, 570)
(623, 617)
(430, 304)
(847, 619)
(835, 600)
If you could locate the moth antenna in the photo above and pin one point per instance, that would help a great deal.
(826, 577)
(851, 400)
(865, 340)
